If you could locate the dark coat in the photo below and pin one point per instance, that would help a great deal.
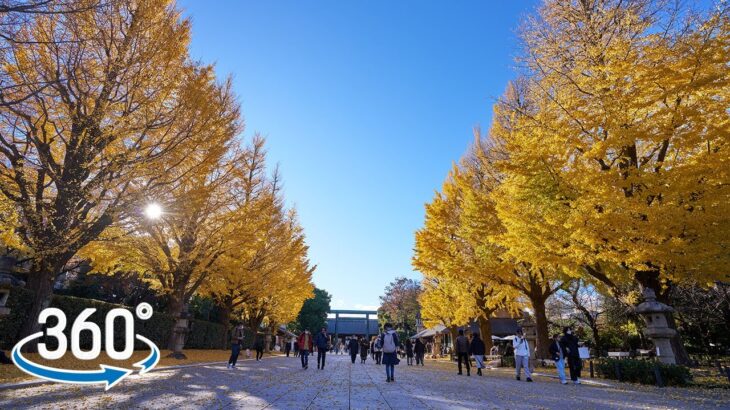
(555, 348)
(570, 344)
(419, 348)
(354, 346)
(258, 342)
(409, 348)
(462, 344)
(477, 346)
(364, 346)
(390, 358)
(321, 341)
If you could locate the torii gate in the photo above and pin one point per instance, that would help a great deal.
(367, 314)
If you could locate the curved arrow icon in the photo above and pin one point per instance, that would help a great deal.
(109, 375)
(150, 361)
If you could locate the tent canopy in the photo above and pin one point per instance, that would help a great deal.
(430, 332)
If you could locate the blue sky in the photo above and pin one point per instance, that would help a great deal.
(365, 106)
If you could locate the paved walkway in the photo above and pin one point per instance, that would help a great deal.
(280, 383)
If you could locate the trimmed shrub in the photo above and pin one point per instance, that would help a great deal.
(204, 335)
(642, 371)
(19, 302)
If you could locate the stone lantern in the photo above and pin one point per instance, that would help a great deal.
(180, 332)
(657, 329)
(5, 284)
(7, 281)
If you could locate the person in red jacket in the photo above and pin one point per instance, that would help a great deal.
(305, 346)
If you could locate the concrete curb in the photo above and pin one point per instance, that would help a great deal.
(33, 383)
(582, 381)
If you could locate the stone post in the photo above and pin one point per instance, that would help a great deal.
(654, 314)
(436, 353)
(267, 340)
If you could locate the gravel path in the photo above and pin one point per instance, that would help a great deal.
(280, 383)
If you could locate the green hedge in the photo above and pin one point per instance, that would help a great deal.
(19, 302)
(204, 335)
(642, 371)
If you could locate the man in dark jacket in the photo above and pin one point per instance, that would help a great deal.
(570, 344)
(258, 345)
(478, 349)
(420, 350)
(353, 346)
(322, 342)
(462, 352)
(558, 354)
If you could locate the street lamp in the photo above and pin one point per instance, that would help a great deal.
(153, 211)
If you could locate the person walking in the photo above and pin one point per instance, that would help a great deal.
(305, 346)
(522, 355)
(258, 345)
(236, 341)
(409, 352)
(462, 352)
(557, 351)
(287, 347)
(353, 347)
(378, 348)
(420, 350)
(322, 342)
(296, 347)
(364, 346)
(570, 343)
(477, 350)
(389, 342)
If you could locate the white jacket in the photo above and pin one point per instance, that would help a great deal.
(521, 346)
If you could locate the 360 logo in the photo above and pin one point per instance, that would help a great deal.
(109, 375)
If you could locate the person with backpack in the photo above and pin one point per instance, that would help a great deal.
(322, 342)
(389, 341)
(420, 350)
(409, 352)
(462, 352)
(305, 346)
(522, 355)
(570, 343)
(557, 351)
(477, 351)
(236, 341)
(353, 347)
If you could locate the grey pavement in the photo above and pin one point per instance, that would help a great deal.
(280, 383)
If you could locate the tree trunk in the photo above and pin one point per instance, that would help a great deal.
(40, 281)
(650, 279)
(541, 325)
(225, 317)
(485, 330)
(453, 332)
(594, 329)
(175, 309)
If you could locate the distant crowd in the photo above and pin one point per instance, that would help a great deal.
(387, 349)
